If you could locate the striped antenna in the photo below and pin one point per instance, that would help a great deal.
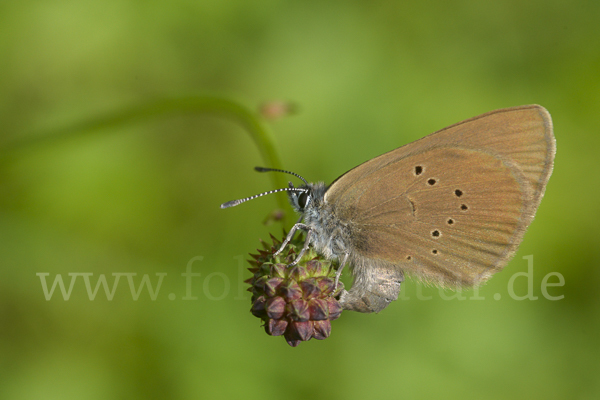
(234, 203)
(263, 169)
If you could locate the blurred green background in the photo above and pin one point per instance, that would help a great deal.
(142, 197)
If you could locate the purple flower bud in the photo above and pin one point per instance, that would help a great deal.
(298, 310)
(272, 285)
(335, 309)
(300, 330)
(298, 273)
(275, 307)
(258, 307)
(278, 270)
(326, 286)
(310, 288)
(297, 302)
(314, 268)
(290, 290)
(276, 327)
(318, 309)
(322, 329)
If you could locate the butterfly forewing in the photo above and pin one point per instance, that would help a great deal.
(452, 207)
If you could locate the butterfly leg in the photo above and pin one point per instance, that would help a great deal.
(294, 234)
(339, 271)
(305, 247)
(291, 235)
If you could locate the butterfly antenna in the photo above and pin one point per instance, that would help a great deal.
(262, 169)
(234, 203)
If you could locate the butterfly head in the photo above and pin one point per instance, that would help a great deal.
(300, 197)
(307, 196)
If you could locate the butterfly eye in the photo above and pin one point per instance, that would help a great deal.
(302, 200)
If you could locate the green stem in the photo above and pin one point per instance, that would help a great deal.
(226, 108)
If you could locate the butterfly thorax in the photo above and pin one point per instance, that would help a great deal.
(329, 236)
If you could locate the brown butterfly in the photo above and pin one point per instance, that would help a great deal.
(449, 209)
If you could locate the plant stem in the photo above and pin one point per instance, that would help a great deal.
(250, 120)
